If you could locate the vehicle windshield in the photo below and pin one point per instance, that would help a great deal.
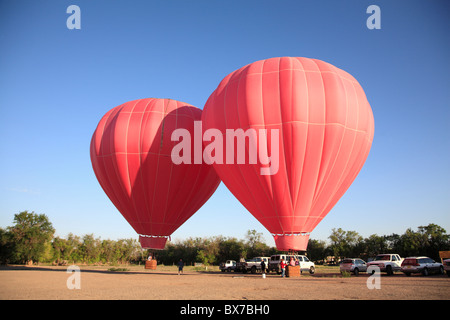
(409, 261)
(383, 258)
(347, 261)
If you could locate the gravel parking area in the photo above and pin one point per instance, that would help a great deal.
(50, 283)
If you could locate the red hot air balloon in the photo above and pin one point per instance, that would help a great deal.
(131, 157)
(324, 130)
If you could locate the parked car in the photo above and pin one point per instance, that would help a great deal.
(447, 266)
(422, 265)
(229, 265)
(353, 265)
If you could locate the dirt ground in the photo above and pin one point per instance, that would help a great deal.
(50, 283)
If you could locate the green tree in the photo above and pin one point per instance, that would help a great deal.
(188, 250)
(230, 249)
(354, 243)
(345, 243)
(30, 235)
(209, 251)
(207, 258)
(409, 244)
(317, 250)
(6, 247)
(90, 249)
(254, 238)
(373, 245)
(393, 242)
(74, 245)
(337, 238)
(61, 249)
(130, 250)
(427, 240)
(255, 246)
(435, 239)
(110, 251)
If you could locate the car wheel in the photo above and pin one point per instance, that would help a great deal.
(253, 270)
(312, 270)
(356, 272)
(425, 272)
(389, 271)
(408, 274)
(441, 270)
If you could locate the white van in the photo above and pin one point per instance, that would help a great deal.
(305, 264)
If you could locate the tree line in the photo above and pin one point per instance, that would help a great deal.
(426, 241)
(31, 239)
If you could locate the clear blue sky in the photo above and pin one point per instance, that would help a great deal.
(56, 84)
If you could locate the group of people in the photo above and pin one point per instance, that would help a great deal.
(293, 262)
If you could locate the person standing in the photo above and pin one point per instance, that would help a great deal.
(283, 268)
(263, 266)
(180, 266)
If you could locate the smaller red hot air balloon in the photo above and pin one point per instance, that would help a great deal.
(309, 116)
(131, 157)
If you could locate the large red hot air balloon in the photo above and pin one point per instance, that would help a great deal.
(315, 120)
(131, 157)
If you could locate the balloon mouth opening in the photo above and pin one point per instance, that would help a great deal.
(291, 241)
(153, 242)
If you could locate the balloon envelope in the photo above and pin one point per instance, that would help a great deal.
(131, 157)
(325, 130)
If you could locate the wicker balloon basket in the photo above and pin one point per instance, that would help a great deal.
(150, 264)
(293, 272)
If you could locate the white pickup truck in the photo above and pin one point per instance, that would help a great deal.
(252, 265)
(388, 263)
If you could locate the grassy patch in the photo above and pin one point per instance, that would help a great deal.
(118, 269)
(345, 274)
